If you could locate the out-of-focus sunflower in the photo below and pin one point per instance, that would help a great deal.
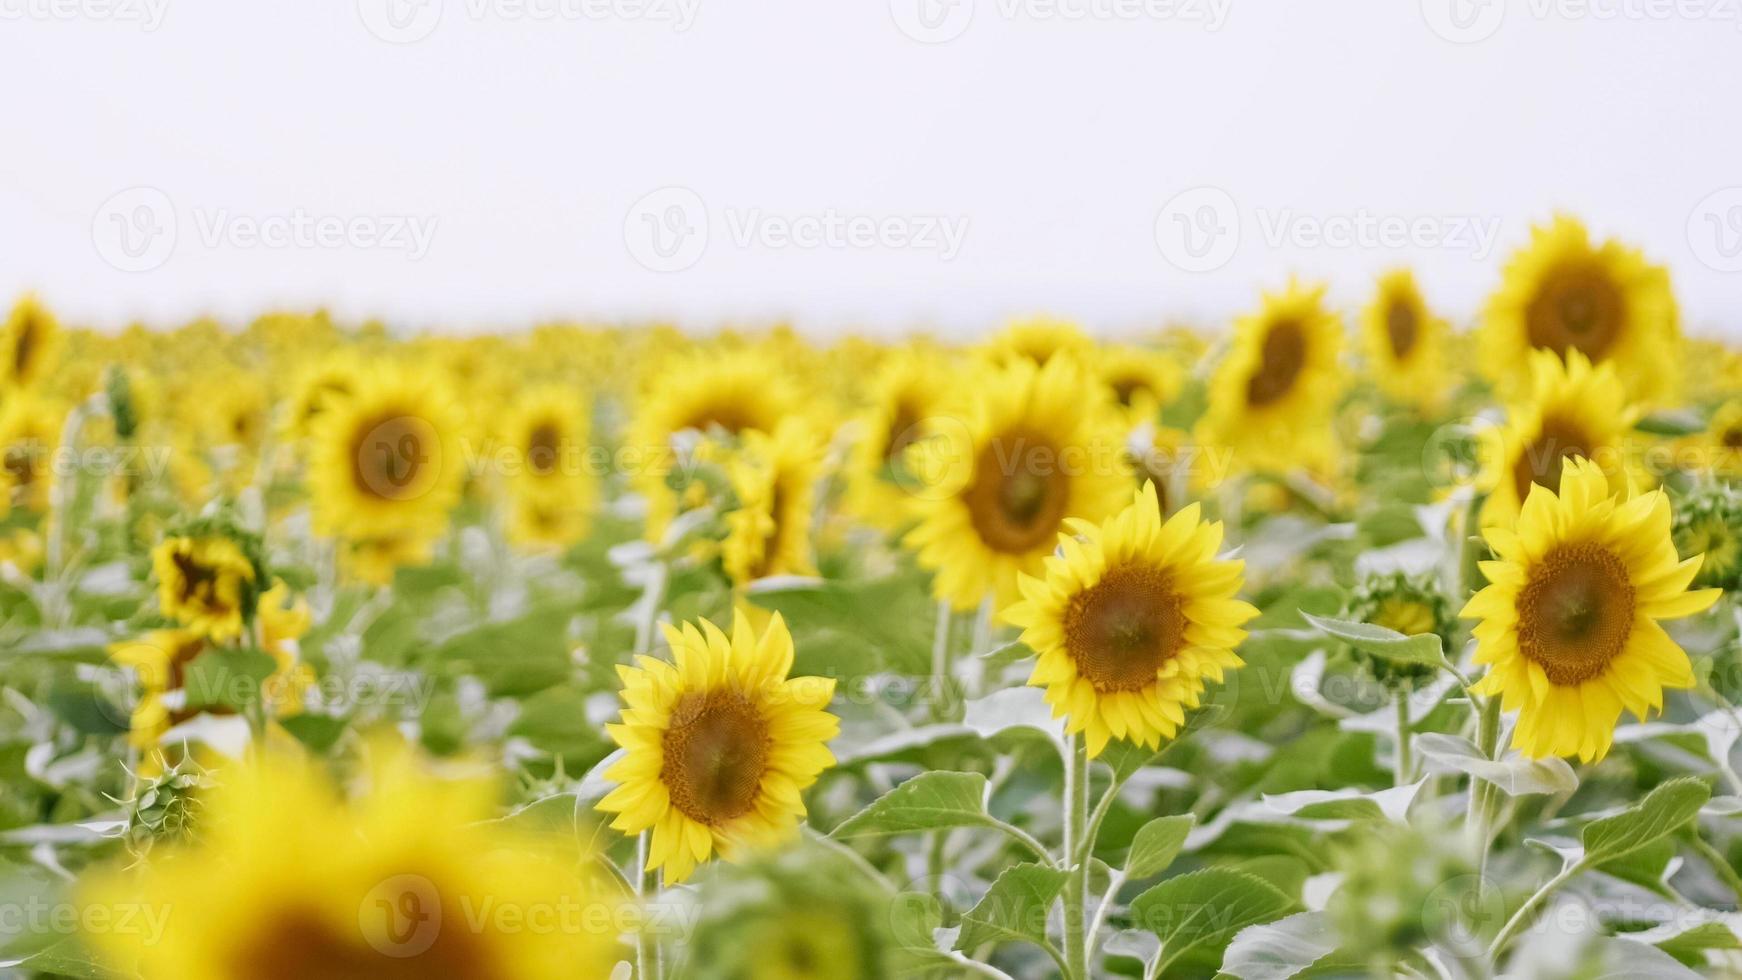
(1038, 340)
(551, 482)
(386, 461)
(994, 486)
(1565, 294)
(321, 383)
(774, 479)
(29, 432)
(1405, 343)
(1574, 409)
(1272, 397)
(286, 878)
(1130, 622)
(29, 346)
(719, 744)
(908, 391)
(1141, 381)
(1708, 522)
(1569, 621)
(1717, 449)
(207, 582)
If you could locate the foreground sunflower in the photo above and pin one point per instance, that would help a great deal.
(288, 879)
(1036, 446)
(1271, 398)
(1569, 622)
(719, 745)
(1565, 294)
(1405, 343)
(1574, 409)
(1130, 622)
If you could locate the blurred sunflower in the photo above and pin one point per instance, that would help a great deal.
(1038, 340)
(1129, 623)
(319, 384)
(719, 744)
(288, 879)
(1569, 621)
(552, 488)
(208, 583)
(1141, 380)
(29, 432)
(1405, 343)
(1718, 449)
(159, 659)
(994, 487)
(1574, 410)
(774, 480)
(29, 345)
(1272, 396)
(1708, 522)
(1604, 301)
(908, 391)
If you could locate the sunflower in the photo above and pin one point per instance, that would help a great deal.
(774, 479)
(28, 346)
(1574, 410)
(1565, 294)
(1129, 622)
(1405, 343)
(386, 461)
(1272, 397)
(207, 583)
(908, 391)
(320, 384)
(1141, 381)
(718, 744)
(552, 487)
(1709, 522)
(994, 486)
(29, 432)
(1718, 449)
(1569, 621)
(287, 878)
(1038, 340)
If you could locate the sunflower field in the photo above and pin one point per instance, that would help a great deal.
(1334, 642)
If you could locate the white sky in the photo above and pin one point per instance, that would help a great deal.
(495, 167)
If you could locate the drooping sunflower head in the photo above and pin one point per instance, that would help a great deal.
(1709, 522)
(774, 479)
(995, 485)
(1563, 293)
(910, 388)
(1272, 396)
(287, 878)
(1038, 340)
(386, 460)
(1405, 342)
(29, 432)
(1569, 621)
(208, 581)
(719, 744)
(29, 346)
(1574, 409)
(1129, 623)
(1140, 380)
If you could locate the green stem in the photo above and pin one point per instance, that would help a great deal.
(1481, 793)
(646, 944)
(1404, 762)
(1718, 861)
(1521, 918)
(652, 599)
(940, 660)
(1076, 856)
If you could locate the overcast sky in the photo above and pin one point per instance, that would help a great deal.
(858, 164)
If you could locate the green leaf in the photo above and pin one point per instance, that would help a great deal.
(1156, 845)
(1514, 775)
(1014, 908)
(929, 801)
(1278, 950)
(1663, 811)
(1206, 909)
(317, 732)
(1423, 648)
(227, 678)
(1671, 423)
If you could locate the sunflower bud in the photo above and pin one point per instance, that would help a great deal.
(1709, 521)
(1411, 605)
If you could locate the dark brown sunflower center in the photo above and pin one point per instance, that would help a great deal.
(394, 457)
(716, 751)
(733, 418)
(1019, 494)
(1124, 628)
(198, 581)
(542, 447)
(775, 542)
(1127, 389)
(1578, 308)
(1542, 461)
(903, 430)
(1279, 364)
(1732, 438)
(1401, 326)
(25, 351)
(411, 935)
(1575, 612)
(20, 463)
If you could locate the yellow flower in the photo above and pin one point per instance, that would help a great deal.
(1142, 381)
(719, 744)
(159, 659)
(1129, 622)
(206, 583)
(386, 461)
(1719, 448)
(319, 385)
(29, 432)
(375, 558)
(908, 391)
(1405, 343)
(1036, 446)
(1272, 397)
(29, 345)
(22, 549)
(1038, 340)
(1574, 410)
(774, 478)
(1569, 621)
(288, 879)
(551, 482)
(1604, 301)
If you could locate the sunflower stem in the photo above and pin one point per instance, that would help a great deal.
(1718, 861)
(1521, 918)
(1481, 795)
(1404, 762)
(1076, 856)
(646, 944)
(940, 660)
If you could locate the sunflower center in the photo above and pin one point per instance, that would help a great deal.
(903, 430)
(716, 751)
(1575, 612)
(409, 940)
(25, 351)
(1019, 494)
(1732, 438)
(394, 457)
(732, 418)
(1401, 327)
(1542, 460)
(1578, 308)
(774, 543)
(1280, 362)
(1123, 629)
(542, 447)
(198, 581)
(1127, 389)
